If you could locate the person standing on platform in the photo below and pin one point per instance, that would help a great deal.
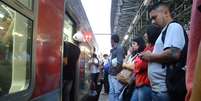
(167, 51)
(71, 56)
(142, 90)
(115, 68)
(94, 73)
(105, 69)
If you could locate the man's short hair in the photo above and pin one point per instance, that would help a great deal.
(115, 38)
(158, 4)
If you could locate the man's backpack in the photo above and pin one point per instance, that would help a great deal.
(175, 77)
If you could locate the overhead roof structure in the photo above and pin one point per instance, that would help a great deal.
(122, 14)
(132, 15)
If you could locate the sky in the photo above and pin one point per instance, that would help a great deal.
(98, 13)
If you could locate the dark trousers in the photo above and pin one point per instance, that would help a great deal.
(106, 83)
(67, 90)
(94, 79)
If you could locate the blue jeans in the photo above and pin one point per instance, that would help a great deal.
(142, 94)
(160, 96)
(115, 89)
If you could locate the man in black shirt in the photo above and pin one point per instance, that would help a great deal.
(71, 56)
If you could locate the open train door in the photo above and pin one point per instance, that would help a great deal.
(194, 40)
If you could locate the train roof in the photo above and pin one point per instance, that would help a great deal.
(122, 14)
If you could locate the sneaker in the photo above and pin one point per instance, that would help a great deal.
(92, 93)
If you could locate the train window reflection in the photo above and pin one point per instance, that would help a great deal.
(84, 78)
(15, 51)
(68, 30)
(27, 3)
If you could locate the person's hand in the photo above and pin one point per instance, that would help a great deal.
(124, 65)
(146, 55)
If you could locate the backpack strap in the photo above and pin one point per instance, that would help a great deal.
(182, 60)
(165, 30)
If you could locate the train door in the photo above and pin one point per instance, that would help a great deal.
(16, 34)
(71, 53)
(79, 74)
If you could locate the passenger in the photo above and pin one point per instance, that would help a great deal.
(101, 71)
(166, 52)
(115, 68)
(142, 90)
(94, 72)
(71, 55)
(137, 46)
(106, 68)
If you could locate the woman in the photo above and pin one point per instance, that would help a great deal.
(137, 46)
(142, 90)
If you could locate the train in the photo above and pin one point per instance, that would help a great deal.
(32, 36)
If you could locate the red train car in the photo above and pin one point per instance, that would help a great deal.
(32, 33)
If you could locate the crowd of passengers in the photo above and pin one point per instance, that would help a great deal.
(149, 58)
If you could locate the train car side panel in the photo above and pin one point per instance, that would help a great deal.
(49, 42)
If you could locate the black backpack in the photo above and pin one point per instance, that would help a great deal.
(175, 77)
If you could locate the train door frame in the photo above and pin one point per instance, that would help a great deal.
(30, 14)
(67, 17)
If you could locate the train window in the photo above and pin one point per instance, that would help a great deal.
(27, 3)
(15, 51)
(68, 30)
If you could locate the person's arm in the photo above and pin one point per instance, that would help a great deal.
(173, 44)
(119, 56)
(128, 66)
(140, 65)
(89, 63)
(126, 58)
(66, 54)
(96, 62)
(65, 60)
(169, 55)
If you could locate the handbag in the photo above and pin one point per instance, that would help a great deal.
(124, 76)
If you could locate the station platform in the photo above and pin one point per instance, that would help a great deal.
(103, 96)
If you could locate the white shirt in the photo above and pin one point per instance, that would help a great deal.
(174, 38)
(93, 67)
